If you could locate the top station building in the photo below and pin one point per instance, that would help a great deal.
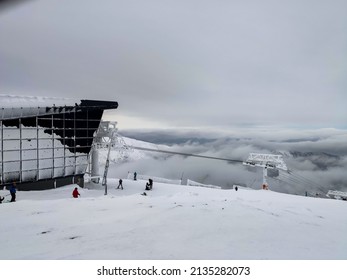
(46, 142)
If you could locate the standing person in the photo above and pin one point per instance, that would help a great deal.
(236, 188)
(1, 199)
(120, 184)
(13, 192)
(135, 175)
(75, 193)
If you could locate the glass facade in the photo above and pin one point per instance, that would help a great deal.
(49, 146)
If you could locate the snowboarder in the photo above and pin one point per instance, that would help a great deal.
(75, 193)
(135, 176)
(1, 199)
(120, 184)
(149, 185)
(13, 192)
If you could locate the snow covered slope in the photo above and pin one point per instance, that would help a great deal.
(171, 222)
(122, 152)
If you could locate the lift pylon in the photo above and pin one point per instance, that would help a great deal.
(265, 161)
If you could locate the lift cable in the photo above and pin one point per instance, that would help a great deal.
(185, 154)
(303, 181)
(304, 178)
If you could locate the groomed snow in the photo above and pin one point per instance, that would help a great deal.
(171, 222)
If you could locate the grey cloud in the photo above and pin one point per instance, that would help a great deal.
(188, 63)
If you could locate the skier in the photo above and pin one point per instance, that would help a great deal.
(135, 175)
(236, 188)
(1, 199)
(75, 193)
(13, 192)
(120, 184)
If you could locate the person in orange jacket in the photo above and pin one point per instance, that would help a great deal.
(75, 193)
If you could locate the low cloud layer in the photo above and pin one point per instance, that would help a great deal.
(316, 164)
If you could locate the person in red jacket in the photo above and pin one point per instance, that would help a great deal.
(75, 193)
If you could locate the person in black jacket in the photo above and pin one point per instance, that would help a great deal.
(149, 185)
(120, 184)
(1, 199)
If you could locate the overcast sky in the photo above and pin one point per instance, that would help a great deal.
(191, 63)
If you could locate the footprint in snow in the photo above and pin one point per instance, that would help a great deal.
(74, 237)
